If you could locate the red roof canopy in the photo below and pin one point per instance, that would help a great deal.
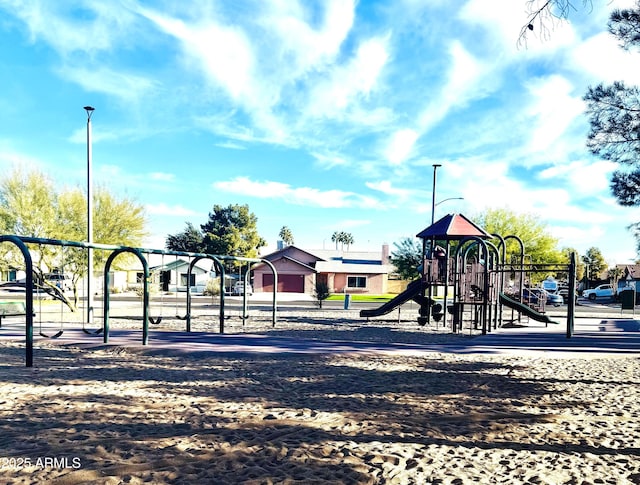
(451, 227)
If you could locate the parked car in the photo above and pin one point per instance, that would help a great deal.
(62, 281)
(554, 298)
(530, 296)
(563, 291)
(598, 292)
(539, 295)
(238, 288)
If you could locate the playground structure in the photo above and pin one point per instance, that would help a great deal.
(31, 285)
(465, 277)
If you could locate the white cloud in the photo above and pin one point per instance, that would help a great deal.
(224, 53)
(332, 96)
(554, 110)
(129, 88)
(329, 160)
(97, 30)
(601, 59)
(387, 188)
(306, 43)
(296, 195)
(400, 146)
(466, 79)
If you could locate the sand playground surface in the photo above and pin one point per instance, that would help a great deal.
(319, 402)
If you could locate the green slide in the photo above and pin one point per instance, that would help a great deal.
(413, 292)
(525, 309)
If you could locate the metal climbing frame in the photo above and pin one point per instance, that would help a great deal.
(22, 241)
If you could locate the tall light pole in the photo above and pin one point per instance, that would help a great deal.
(445, 200)
(433, 194)
(89, 110)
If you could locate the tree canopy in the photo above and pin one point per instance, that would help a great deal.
(230, 231)
(30, 205)
(406, 257)
(190, 240)
(286, 236)
(539, 244)
(342, 238)
(595, 263)
(614, 117)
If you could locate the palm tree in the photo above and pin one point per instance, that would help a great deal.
(336, 237)
(286, 236)
(342, 238)
(348, 239)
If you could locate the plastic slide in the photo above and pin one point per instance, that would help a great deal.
(413, 291)
(525, 309)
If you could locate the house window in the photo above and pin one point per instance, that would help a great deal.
(356, 281)
(139, 278)
(183, 279)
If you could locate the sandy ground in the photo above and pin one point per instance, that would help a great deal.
(120, 416)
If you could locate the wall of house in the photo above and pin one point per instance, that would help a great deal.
(284, 267)
(376, 283)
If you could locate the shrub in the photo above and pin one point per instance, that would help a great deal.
(321, 293)
(212, 287)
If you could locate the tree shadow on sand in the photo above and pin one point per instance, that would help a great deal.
(310, 418)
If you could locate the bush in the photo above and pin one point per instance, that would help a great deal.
(321, 293)
(212, 288)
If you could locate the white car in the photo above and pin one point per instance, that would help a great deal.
(62, 281)
(238, 288)
(598, 292)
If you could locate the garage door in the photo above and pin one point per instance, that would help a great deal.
(287, 283)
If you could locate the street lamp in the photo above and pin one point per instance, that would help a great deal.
(433, 194)
(444, 200)
(89, 110)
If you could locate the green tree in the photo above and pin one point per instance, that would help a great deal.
(566, 255)
(321, 292)
(342, 238)
(27, 204)
(286, 236)
(31, 206)
(120, 222)
(336, 238)
(406, 257)
(28, 208)
(595, 264)
(232, 231)
(348, 239)
(539, 245)
(614, 118)
(190, 240)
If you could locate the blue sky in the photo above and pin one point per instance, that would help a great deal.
(322, 116)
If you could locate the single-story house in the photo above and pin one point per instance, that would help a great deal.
(343, 271)
(630, 275)
(172, 276)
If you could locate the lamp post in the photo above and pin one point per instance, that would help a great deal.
(433, 193)
(444, 200)
(89, 110)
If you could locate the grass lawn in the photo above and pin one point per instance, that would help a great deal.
(381, 298)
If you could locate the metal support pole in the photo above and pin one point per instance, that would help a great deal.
(89, 111)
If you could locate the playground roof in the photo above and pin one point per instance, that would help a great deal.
(452, 227)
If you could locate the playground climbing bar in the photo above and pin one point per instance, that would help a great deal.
(22, 244)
